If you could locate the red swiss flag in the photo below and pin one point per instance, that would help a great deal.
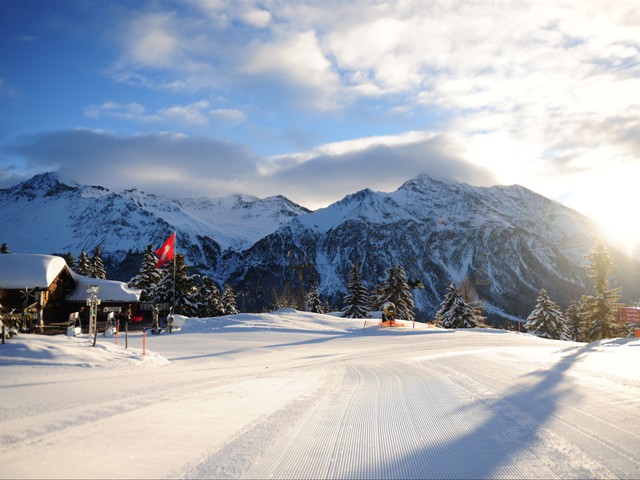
(167, 251)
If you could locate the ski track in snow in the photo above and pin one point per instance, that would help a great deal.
(243, 403)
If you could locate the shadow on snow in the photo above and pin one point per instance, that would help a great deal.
(492, 448)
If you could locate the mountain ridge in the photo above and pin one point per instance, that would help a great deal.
(509, 240)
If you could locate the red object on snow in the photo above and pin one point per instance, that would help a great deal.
(167, 251)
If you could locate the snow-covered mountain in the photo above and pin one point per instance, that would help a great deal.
(44, 215)
(508, 241)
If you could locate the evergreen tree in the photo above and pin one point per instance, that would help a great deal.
(470, 295)
(455, 312)
(326, 308)
(284, 298)
(210, 300)
(601, 309)
(97, 266)
(377, 297)
(229, 301)
(84, 265)
(70, 260)
(313, 299)
(574, 319)
(185, 290)
(397, 291)
(546, 320)
(149, 276)
(357, 300)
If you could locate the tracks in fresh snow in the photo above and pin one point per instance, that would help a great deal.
(566, 412)
(392, 419)
(463, 405)
(459, 416)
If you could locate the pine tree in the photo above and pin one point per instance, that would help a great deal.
(313, 303)
(210, 300)
(574, 318)
(185, 290)
(455, 312)
(601, 309)
(70, 260)
(149, 276)
(97, 266)
(470, 295)
(377, 297)
(326, 308)
(397, 291)
(357, 300)
(84, 265)
(284, 298)
(229, 301)
(546, 320)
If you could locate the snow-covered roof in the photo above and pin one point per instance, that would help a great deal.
(108, 290)
(24, 270)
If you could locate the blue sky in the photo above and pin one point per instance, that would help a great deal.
(318, 99)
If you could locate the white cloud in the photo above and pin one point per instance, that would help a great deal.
(167, 163)
(538, 92)
(231, 115)
(297, 60)
(196, 113)
(193, 113)
(256, 17)
(127, 111)
(181, 165)
(152, 40)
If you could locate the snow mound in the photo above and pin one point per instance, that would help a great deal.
(63, 351)
(286, 320)
(291, 320)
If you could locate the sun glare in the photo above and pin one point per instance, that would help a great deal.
(612, 201)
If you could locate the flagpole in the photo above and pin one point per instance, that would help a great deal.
(175, 259)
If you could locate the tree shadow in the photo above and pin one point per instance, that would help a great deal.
(489, 449)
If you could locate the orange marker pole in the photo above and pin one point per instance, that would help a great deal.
(144, 341)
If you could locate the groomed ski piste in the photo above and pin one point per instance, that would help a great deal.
(300, 395)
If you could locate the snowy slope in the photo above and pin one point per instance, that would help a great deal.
(299, 395)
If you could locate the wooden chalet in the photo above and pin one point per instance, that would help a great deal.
(34, 287)
(39, 292)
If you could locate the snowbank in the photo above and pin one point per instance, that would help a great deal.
(63, 351)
